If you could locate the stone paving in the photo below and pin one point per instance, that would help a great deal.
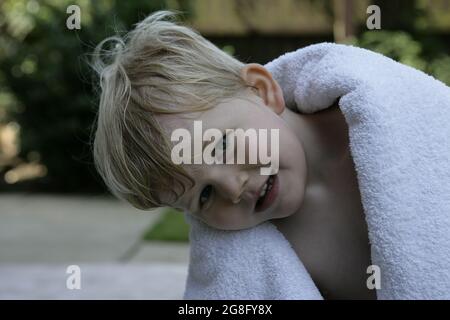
(41, 235)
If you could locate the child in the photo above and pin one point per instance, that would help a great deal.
(164, 77)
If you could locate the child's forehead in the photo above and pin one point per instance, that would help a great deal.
(171, 122)
(226, 113)
(209, 117)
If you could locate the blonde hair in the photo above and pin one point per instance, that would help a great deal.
(158, 68)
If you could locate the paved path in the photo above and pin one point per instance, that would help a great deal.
(98, 281)
(40, 235)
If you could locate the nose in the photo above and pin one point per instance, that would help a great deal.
(232, 185)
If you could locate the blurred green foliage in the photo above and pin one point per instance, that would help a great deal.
(405, 37)
(170, 227)
(397, 45)
(45, 82)
(403, 47)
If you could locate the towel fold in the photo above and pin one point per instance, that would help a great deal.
(256, 263)
(399, 133)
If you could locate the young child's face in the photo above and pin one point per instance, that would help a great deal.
(225, 196)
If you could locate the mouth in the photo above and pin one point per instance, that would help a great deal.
(268, 194)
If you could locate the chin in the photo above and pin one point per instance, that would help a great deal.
(283, 212)
(287, 213)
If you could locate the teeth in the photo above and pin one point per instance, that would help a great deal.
(263, 191)
(267, 187)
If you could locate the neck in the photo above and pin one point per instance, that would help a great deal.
(324, 136)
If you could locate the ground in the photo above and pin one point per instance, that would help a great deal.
(41, 235)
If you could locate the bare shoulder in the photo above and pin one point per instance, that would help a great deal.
(329, 235)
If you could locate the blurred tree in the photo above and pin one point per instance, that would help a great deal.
(398, 45)
(343, 26)
(403, 38)
(43, 67)
(399, 14)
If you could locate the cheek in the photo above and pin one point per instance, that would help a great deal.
(293, 174)
(229, 218)
(226, 218)
(290, 149)
(293, 186)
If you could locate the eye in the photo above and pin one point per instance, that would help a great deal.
(224, 142)
(205, 195)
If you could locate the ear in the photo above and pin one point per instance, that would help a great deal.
(268, 88)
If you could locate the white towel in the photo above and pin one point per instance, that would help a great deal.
(255, 263)
(399, 131)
